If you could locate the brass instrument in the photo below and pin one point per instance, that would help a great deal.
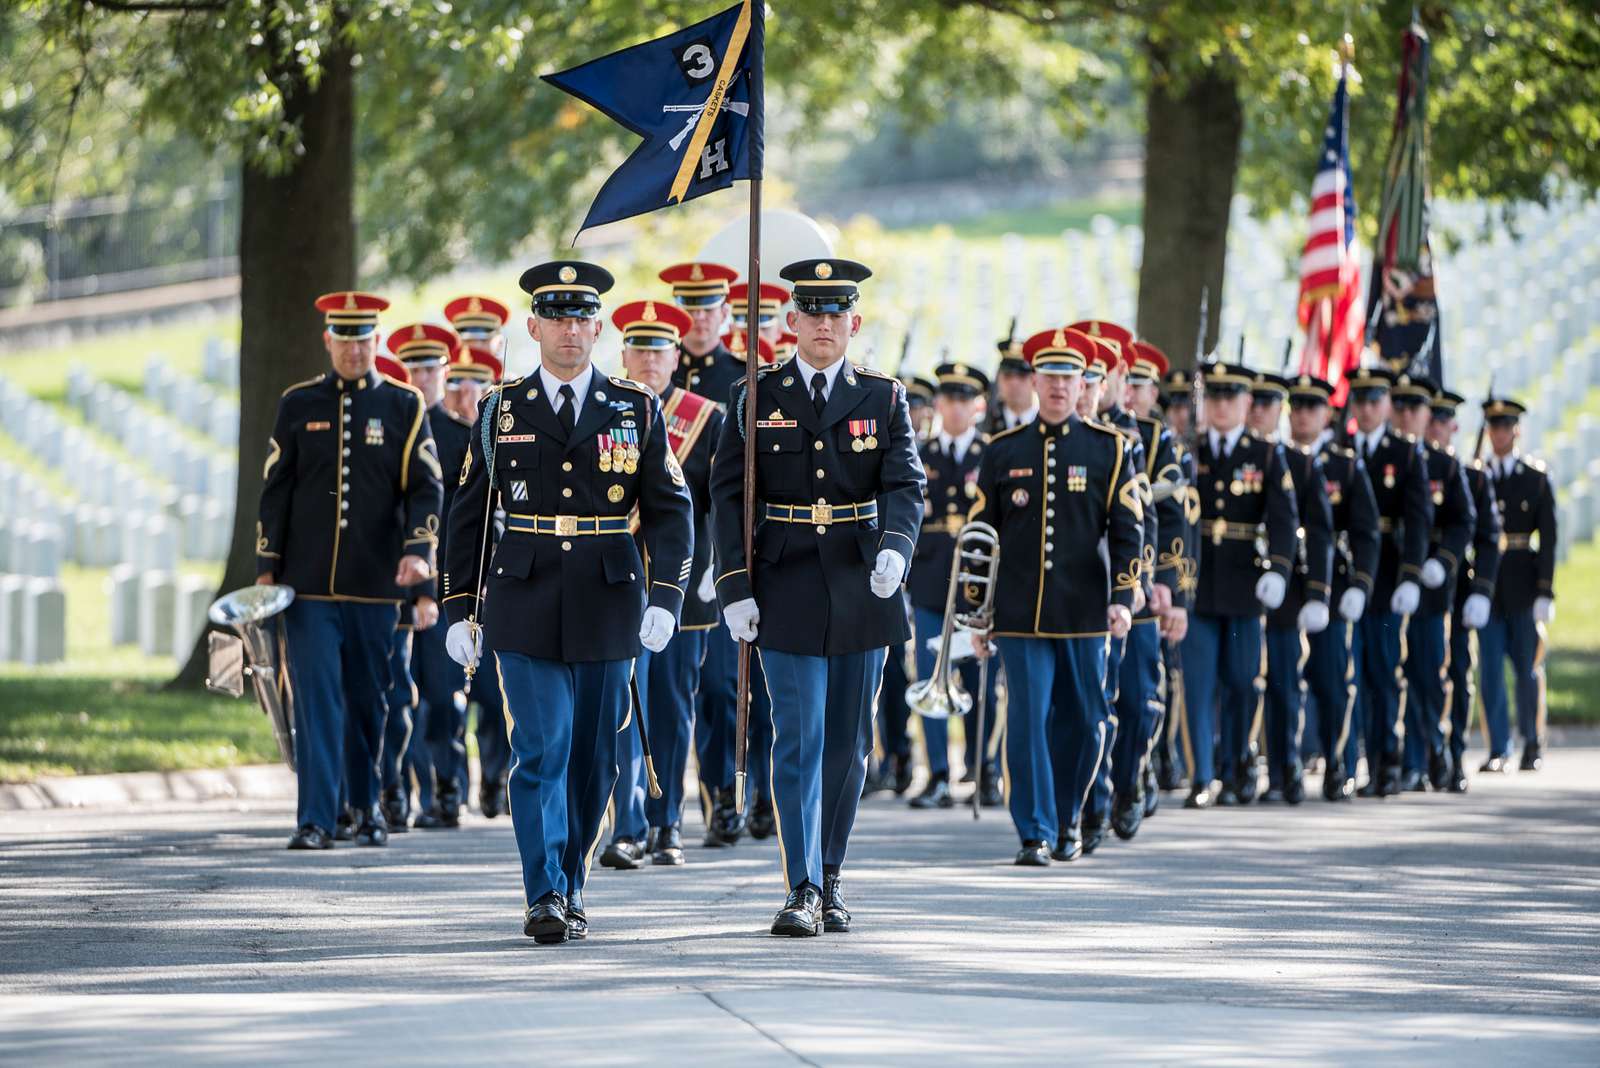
(258, 651)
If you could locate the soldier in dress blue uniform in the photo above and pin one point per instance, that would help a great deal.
(569, 454)
(1398, 471)
(668, 680)
(1177, 412)
(1524, 593)
(479, 365)
(436, 752)
(349, 518)
(1427, 752)
(1246, 495)
(1062, 495)
(1474, 586)
(1014, 404)
(1304, 612)
(1329, 672)
(950, 458)
(839, 497)
(708, 367)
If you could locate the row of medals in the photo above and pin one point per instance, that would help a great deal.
(863, 444)
(624, 458)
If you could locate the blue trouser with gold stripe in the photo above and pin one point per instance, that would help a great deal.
(1138, 706)
(1427, 669)
(338, 655)
(1463, 659)
(1099, 803)
(1330, 678)
(1379, 652)
(399, 700)
(1221, 659)
(667, 683)
(715, 708)
(1517, 636)
(936, 732)
(564, 723)
(1055, 730)
(494, 748)
(1287, 652)
(821, 737)
(441, 715)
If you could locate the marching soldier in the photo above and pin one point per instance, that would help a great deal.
(1055, 488)
(436, 753)
(1398, 471)
(706, 366)
(919, 395)
(1177, 403)
(1177, 411)
(838, 493)
(349, 518)
(1246, 491)
(1474, 586)
(1524, 597)
(1304, 612)
(1015, 404)
(569, 453)
(1328, 672)
(479, 365)
(668, 680)
(1427, 752)
(951, 460)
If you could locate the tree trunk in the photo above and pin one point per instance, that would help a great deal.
(296, 242)
(1191, 158)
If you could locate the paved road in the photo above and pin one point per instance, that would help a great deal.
(1460, 929)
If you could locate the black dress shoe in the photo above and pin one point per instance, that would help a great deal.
(762, 820)
(311, 837)
(1199, 797)
(902, 774)
(1495, 765)
(1532, 757)
(1094, 832)
(372, 832)
(1389, 780)
(727, 825)
(1336, 786)
(1273, 796)
(991, 792)
(967, 776)
(345, 829)
(434, 820)
(492, 798)
(1126, 815)
(1458, 777)
(546, 920)
(668, 847)
(1168, 777)
(1033, 855)
(1411, 782)
(1369, 788)
(801, 915)
(1152, 791)
(624, 854)
(396, 811)
(935, 795)
(1069, 846)
(835, 917)
(1248, 784)
(1294, 789)
(577, 924)
(1227, 795)
(1441, 768)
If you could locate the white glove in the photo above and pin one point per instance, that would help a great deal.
(1475, 612)
(1270, 589)
(1433, 574)
(1313, 617)
(742, 617)
(1544, 609)
(1406, 598)
(960, 646)
(707, 590)
(1352, 603)
(464, 643)
(888, 573)
(656, 629)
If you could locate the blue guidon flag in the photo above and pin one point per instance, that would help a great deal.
(695, 96)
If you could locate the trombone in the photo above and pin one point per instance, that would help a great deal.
(974, 566)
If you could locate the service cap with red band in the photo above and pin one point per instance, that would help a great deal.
(1102, 361)
(1118, 339)
(699, 285)
(424, 344)
(477, 317)
(391, 368)
(351, 315)
(786, 345)
(736, 346)
(1061, 351)
(651, 324)
(1146, 364)
(773, 298)
(470, 364)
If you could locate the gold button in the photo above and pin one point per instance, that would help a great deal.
(566, 466)
(1048, 564)
(567, 492)
(566, 546)
(821, 473)
(1219, 485)
(817, 445)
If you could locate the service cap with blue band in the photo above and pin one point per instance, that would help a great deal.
(1226, 379)
(1368, 383)
(1445, 402)
(1269, 387)
(351, 315)
(919, 390)
(1503, 409)
(1309, 391)
(1408, 390)
(566, 289)
(699, 285)
(825, 287)
(961, 380)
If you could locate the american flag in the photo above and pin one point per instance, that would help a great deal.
(1330, 276)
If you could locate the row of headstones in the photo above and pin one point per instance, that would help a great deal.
(219, 365)
(157, 440)
(208, 409)
(33, 620)
(158, 611)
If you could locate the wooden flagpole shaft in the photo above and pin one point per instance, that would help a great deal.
(752, 349)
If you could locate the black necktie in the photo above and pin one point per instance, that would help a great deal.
(565, 412)
(819, 381)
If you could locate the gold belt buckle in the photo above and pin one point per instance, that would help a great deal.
(566, 525)
(822, 514)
